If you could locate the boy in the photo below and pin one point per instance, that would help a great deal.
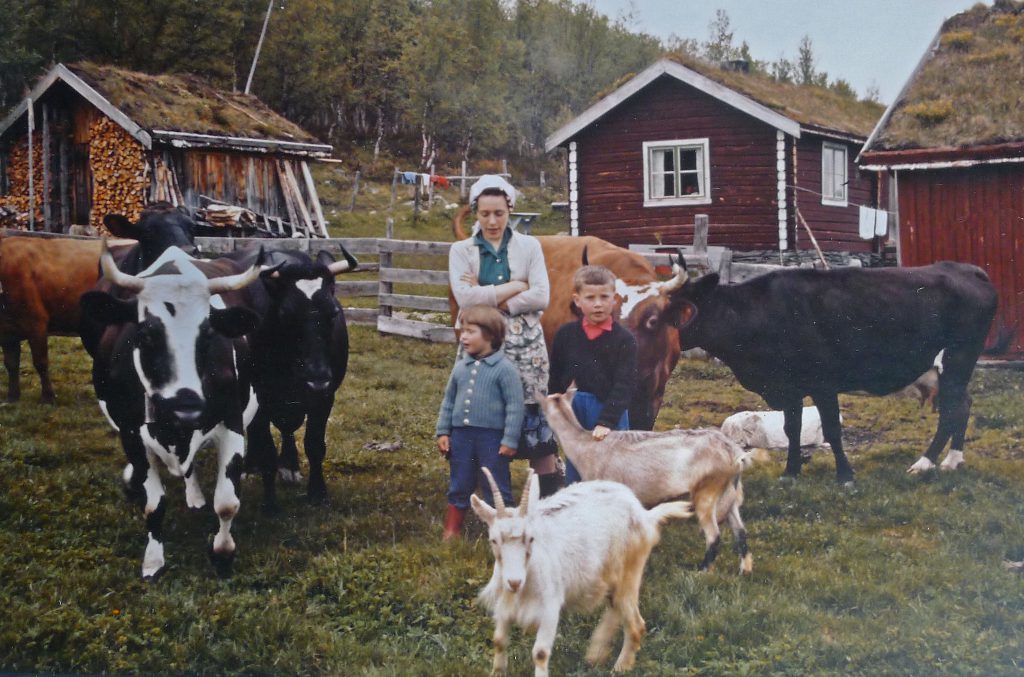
(599, 355)
(481, 415)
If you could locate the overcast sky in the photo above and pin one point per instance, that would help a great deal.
(865, 42)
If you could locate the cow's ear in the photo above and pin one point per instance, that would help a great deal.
(103, 308)
(120, 226)
(233, 322)
(704, 284)
(324, 258)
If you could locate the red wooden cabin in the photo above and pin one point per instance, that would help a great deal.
(679, 140)
(952, 146)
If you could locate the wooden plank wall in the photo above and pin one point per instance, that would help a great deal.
(974, 215)
(743, 174)
(836, 228)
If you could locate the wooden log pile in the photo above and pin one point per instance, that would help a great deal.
(120, 172)
(227, 216)
(15, 205)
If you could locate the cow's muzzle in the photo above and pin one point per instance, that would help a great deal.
(183, 410)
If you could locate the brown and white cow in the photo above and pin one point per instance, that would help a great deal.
(642, 302)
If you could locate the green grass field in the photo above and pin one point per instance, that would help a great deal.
(900, 576)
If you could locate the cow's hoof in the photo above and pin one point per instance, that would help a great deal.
(922, 465)
(954, 459)
(154, 576)
(289, 476)
(317, 495)
(222, 562)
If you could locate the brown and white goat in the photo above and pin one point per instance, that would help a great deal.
(703, 465)
(585, 545)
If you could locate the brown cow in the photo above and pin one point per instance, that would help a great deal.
(641, 299)
(40, 283)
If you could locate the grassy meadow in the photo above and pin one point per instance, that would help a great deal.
(898, 576)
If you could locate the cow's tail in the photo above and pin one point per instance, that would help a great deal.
(457, 230)
(1004, 337)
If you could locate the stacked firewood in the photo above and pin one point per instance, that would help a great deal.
(119, 171)
(15, 204)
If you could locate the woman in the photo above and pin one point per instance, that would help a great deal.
(499, 267)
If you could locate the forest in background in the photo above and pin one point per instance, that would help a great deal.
(431, 81)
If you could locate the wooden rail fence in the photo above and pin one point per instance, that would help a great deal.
(421, 309)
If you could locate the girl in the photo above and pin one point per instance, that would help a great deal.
(481, 415)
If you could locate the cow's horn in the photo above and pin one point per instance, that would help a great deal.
(114, 274)
(586, 259)
(348, 263)
(499, 501)
(679, 274)
(219, 285)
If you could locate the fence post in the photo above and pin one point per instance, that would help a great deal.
(542, 182)
(462, 181)
(385, 256)
(700, 234)
(355, 191)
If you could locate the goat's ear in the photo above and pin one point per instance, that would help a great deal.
(485, 512)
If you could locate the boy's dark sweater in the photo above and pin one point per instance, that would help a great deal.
(604, 367)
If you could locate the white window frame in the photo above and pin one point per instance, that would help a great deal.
(829, 176)
(703, 173)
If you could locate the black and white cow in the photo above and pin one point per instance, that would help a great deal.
(171, 372)
(300, 356)
(796, 333)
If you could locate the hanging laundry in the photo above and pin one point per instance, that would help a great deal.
(409, 178)
(439, 180)
(867, 223)
(424, 182)
(881, 222)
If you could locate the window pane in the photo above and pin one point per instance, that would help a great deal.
(827, 180)
(690, 184)
(687, 159)
(668, 185)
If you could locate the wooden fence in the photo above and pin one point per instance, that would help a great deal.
(405, 314)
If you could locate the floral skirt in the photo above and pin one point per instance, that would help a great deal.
(525, 347)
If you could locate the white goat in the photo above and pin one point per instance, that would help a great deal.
(702, 464)
(584, 545)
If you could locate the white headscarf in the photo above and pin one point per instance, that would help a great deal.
(492, 181)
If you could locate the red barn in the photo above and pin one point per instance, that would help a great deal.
(679, 140)
(952, 145)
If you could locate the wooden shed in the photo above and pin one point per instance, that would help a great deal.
(952, 146)
(105, 139)
(681, 139)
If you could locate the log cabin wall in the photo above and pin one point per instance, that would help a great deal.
(252, 181)
(974, 215)
(835, 227)
(743, 177)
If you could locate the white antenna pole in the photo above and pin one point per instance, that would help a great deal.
(259, 46)
(31, 187)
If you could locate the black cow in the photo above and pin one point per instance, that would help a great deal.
(171, 372)
(161, 225)
(300, 355)
(796, 333)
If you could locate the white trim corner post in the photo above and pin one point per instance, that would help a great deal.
(780, 173)
(574, 192)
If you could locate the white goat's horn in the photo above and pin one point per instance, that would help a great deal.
(524, 502)
(499, 501)
(218, 285)
(114, 274)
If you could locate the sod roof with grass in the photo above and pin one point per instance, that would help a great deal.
(812, 107)
(968, 89)
(186, 103)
